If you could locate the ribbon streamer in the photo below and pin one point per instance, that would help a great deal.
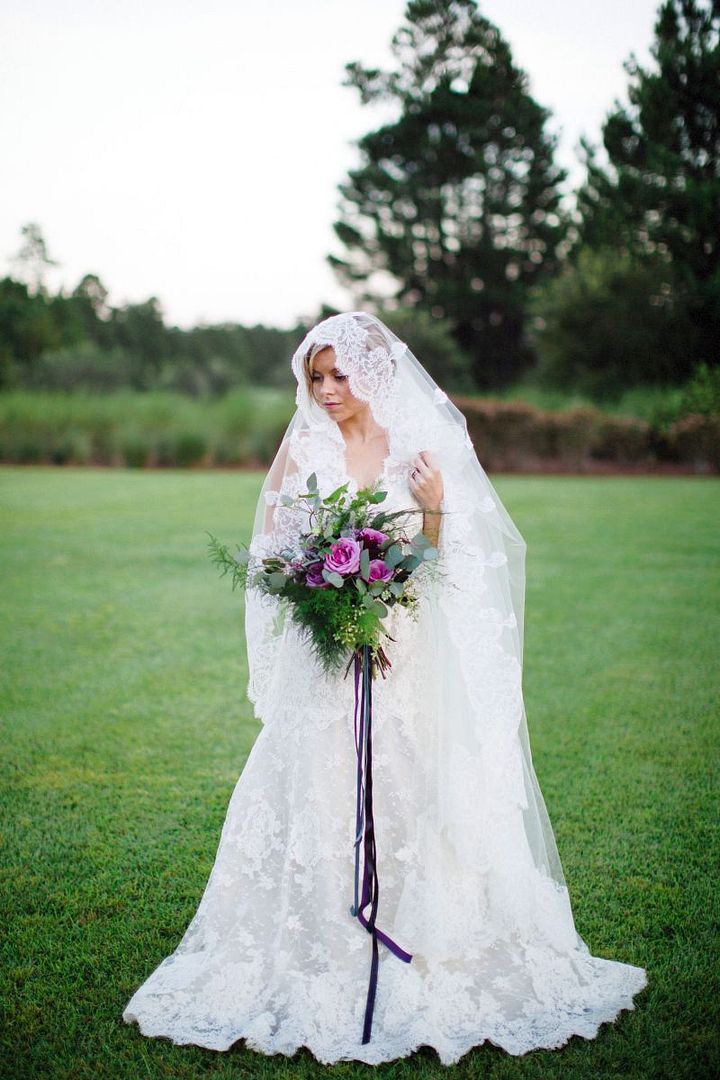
(365, 833)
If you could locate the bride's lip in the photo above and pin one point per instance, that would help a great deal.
(331, 404)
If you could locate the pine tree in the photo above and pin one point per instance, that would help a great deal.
(659, 199)
(456, 203)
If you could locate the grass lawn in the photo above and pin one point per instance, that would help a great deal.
(126, 726)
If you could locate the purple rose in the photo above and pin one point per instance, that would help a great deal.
(379, 571)
(344, 556)
(372, 538)
(314, 577)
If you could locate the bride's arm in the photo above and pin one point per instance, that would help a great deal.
(431, 526)
(426, 485)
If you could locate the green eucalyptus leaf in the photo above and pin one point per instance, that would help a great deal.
(312, 484)
(410, 562)
(335, 495)
(365, 564)
(333, 578)
(379, 608)
(393, 556)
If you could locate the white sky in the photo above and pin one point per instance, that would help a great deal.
(192, 151)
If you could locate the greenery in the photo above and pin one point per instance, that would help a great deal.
(605, 324)
(455, 207)
(340, 612)
(528, 427)
(125, 727)
(135, 428)
(458, 200)
(637, 301)
(658, 198)
(77, 339)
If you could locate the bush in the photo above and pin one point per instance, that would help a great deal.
(572, 433)
(623, 439)
(505, 434)
(702, 394)
(180, 448)
(246, 426)
(85, 366)
(608, 322)
(696, 439)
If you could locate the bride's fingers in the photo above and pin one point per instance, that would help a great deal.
(422, 467)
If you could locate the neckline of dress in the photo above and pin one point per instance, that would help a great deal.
(382, 475)
(344, 465)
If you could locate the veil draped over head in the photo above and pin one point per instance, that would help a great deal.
(477, 605)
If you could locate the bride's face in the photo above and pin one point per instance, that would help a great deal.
(331, 389)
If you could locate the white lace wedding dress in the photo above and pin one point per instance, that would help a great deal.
(273, 955)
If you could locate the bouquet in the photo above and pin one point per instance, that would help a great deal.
(354, 563)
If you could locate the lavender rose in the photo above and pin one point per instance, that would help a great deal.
(371, 538)
(344, 556)
(379, 571)
(314, 577)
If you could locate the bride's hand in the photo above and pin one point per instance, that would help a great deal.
(426, 483)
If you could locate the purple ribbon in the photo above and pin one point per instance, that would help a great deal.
(365, 833)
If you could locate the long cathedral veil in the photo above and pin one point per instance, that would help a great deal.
(477, 610)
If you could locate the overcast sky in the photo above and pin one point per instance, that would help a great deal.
(192, 151)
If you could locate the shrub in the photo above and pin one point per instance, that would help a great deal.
(84, 366)
(180, 448)
(702, 393)
(696, 439)
(572, 433)
(624, 439)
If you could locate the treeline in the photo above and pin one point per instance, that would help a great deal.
(76, 339)
(458, 203)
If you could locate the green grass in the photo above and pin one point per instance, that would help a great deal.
(126, 726)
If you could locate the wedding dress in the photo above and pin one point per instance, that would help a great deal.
(470, 881)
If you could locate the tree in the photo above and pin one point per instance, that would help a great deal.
(608, 322)
(659, 198)
(456, 203)
(27, 327)
(140, 331)
(32, 260)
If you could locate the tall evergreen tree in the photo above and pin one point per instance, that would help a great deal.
(457, 199)
(32, 260)
(659, 198)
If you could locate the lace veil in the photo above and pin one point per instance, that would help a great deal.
(476, 603)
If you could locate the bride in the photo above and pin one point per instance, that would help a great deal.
(471, 889)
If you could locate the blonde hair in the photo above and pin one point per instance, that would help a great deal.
(307, 363)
